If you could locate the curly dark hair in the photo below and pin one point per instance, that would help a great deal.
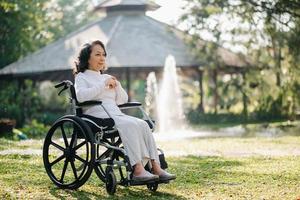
(84, 56)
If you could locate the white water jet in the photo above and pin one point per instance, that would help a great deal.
(151, 98)
(170, 111)
(165, 106)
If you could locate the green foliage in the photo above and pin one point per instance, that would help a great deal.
(19, 102)
(53, 105)
(65, 16)
(27, 102)
(138, 90)
(195, 117)
(21, 29)
(49, 117)
(28, 25)
(270, 108)
(244, 25)
(34, 129)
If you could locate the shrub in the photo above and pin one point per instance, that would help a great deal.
(195, 117)
(20, 103)
(35, 129)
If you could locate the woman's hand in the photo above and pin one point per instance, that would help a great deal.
(111, 83)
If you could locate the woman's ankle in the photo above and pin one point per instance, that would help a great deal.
(156, 167)
(138, 169)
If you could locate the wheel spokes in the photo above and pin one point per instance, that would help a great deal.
(57, 146)
(81, 159)
(64, 171)
(64, 135)
(68, 154)
(79, 145)
(74, 169)
(73, 140)
(57, 160)
(104, 154)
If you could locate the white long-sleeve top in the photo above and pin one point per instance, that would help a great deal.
(90, 85)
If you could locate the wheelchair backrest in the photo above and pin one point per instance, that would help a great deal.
(66, 84)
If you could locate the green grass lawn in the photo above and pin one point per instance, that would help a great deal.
(206, 177)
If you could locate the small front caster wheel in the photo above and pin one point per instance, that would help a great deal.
(152, 186)
(111, 181)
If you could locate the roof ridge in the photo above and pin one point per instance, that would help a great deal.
(114, 28)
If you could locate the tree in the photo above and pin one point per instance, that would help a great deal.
(28, 25)
(21, 29)
(265, 29)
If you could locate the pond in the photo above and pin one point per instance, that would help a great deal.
(242, 131)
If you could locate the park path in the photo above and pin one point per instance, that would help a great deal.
(186, 148)
(200, 143)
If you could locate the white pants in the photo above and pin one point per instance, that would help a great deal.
(137, 139)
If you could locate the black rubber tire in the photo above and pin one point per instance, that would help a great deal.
(152, 186)
(110, 181)
(78, 131)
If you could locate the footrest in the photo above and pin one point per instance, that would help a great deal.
(132, 182)
(159, 182)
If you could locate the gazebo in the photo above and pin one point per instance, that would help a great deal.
(136, 44)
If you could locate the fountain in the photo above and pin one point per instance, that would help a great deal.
(165, 106)
(170, 111)
(151, 98)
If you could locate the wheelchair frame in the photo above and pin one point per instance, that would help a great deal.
(81, 135)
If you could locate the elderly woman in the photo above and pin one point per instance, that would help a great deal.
(92, 84)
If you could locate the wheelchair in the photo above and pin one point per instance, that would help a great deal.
(77, 144)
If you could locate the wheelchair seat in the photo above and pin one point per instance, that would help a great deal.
(106, 125)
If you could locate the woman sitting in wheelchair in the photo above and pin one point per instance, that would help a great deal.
(136, 135)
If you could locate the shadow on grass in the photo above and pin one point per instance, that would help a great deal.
(61, 194)
(121, 193)
(139, 193)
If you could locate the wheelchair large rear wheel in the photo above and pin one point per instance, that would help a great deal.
(69, 152)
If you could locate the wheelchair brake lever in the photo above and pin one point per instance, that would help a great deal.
(65, 87)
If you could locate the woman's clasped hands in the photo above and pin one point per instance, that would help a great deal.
(111, 82)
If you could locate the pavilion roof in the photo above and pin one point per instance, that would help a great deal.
(132, 39)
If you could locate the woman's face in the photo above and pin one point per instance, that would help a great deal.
(97, 58)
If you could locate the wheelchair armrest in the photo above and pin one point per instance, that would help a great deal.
(130, 105)
(89, 103)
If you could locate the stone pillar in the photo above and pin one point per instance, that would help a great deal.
(128, 87)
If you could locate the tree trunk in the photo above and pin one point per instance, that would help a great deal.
(245, 105)
(278, 63)
(277, 58)
(201, 93)
(216, 96)
(22, 87)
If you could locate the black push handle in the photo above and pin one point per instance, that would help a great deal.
(66, 84)
(59, 84)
